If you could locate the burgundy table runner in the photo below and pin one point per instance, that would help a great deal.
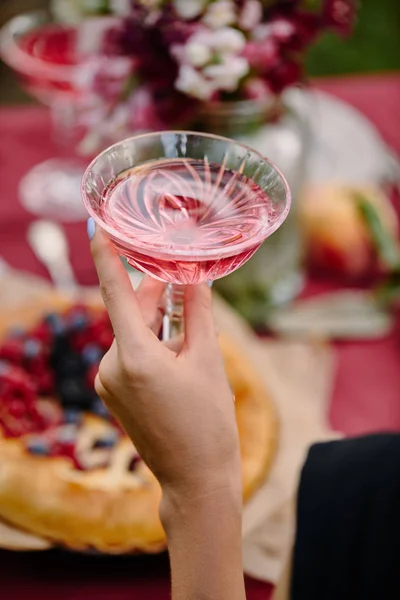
(366, 396)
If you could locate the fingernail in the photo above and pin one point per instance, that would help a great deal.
(91, 228)
(210, 284)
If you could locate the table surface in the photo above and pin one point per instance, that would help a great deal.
(366, 397)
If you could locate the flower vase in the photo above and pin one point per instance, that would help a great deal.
(274, 275)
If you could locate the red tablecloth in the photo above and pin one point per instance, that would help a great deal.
(366, 396)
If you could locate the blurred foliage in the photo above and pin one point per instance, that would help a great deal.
(374, 45)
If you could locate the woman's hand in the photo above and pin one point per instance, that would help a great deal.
(174, 402)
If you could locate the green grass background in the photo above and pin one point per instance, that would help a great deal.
(373, 47)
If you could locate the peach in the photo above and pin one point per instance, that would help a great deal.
(336, 236)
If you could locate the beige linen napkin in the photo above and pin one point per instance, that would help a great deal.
(299, 377)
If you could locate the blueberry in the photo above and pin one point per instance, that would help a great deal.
(71, 392)
(60, 350)
(70, 365)
(72, 416)
(78, 322)
(32, 348)
(55, 323)
(16, 332)
(106, 442)
(98, 408)
(38, 446)
(92, 354)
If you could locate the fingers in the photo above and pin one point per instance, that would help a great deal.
(175, 344)
(199, 318)
(149, 296)
(116, 289)
(99, 388)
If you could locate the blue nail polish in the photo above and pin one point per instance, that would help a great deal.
(91, 228)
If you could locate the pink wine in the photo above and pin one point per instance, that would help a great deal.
(186, 221)
(54, 46)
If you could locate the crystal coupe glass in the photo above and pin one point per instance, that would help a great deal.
(184, 207)
(57, 64)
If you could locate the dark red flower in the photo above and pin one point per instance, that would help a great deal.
(284, 74)
(340, 15)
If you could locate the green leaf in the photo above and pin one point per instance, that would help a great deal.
(388, 293)
(386, 245)
(313, 6)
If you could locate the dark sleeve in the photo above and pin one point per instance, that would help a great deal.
(348, 521)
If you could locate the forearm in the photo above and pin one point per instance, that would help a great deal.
(205, 546)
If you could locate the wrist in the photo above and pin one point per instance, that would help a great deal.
(201, 498)
(204, 533)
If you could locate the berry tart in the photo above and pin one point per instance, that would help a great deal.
(67, 471)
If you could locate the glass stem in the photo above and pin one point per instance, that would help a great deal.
(173, 316)
(65, 127)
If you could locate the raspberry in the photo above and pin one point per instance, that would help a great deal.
(16, 408)
(66, 450)
(12, 350)
(80, 339)
(42, 332)
(45, 383)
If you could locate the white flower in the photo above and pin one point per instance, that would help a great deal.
(120, 7)
(191, 82)
(220, 13)
(251, 15)
(226, 75)
(228, 41)
(281, 28)
(197, 54)
(189, 9)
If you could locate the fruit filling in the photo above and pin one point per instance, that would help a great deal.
(57, 361)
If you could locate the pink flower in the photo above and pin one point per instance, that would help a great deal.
(295, 32)
(261, 56)
(256, 88)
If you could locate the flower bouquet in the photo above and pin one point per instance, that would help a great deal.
(188, 53)
(223, 66)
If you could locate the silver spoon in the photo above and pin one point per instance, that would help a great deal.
(50, 245)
